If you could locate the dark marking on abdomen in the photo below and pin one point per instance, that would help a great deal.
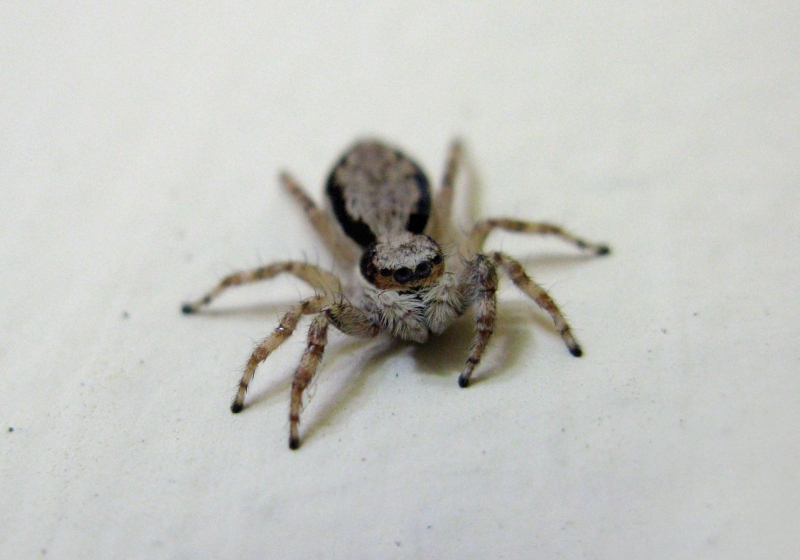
(374, 182)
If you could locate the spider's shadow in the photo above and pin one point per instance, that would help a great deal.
(353, 360)
(442, 356)
(446, 354)
(263, 312)
(556, 261)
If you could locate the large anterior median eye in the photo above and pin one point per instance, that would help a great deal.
(385, 272)
(423, 270)
(403, 274)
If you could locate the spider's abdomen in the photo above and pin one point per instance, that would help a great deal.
(375, 191)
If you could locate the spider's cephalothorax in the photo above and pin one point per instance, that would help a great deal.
(402, 262)
(382, 221)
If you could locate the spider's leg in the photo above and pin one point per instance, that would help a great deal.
(317, 339)
(316, 277)
(443, 202)
(351, 320)
(322, 221)
(479, 282)
(283, 331)
(533, 290)
(347, 318)
(482, 230)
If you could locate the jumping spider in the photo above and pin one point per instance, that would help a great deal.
(384, 226)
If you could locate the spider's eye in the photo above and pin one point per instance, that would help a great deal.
(403, 274)
(437, 259)
(423, 270)
(385, 272)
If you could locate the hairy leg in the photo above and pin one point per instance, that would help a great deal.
(309, 363)
(312, 275)
(479, 285)
(533, 290)
(322, 221)
(443, 202)
(267, 346)
(482, 230)
(347, 318)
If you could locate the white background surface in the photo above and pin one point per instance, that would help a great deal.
(139, 147)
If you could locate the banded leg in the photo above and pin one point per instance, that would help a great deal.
(540, 296)
(309, 363)
(443, 203)
(312, 275)
(322, 221)
(480, 279)
(267, 346)
(482, 230)
(347, 318)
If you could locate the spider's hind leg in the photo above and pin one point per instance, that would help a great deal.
(322, 221)
(443, 202)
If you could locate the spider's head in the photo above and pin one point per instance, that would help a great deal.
(402, 261)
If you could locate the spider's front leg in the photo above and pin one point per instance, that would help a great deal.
(314, 276)
(534, 291)
(482, 230)
(267, 346)
(317, 339)
(478, 282)
(347, 318)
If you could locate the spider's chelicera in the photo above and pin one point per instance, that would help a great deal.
(384, 227)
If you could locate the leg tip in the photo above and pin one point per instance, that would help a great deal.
(603, 250)
(236, 408)
(294, 443)
(188, 309)
(463, 382)
(576, 351)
